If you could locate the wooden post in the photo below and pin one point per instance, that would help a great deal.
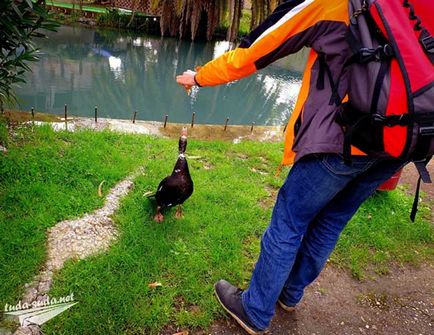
(192, 119)
(33, 116)
(226, 123)
(134, 117)
(96, 113)
(66, 117)
(251, 129)
(165, 120)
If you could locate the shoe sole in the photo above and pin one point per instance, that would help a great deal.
(240, 322)
(289, 309)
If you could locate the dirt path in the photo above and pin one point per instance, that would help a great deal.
(399, 303)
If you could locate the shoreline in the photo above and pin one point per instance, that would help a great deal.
(234, 133)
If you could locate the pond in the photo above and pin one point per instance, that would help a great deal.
(121, 73)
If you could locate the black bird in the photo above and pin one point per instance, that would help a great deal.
(176, 188)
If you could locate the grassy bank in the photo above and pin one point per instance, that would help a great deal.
(47, 177)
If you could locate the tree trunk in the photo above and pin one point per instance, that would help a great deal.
(183, 17)
(235, 11)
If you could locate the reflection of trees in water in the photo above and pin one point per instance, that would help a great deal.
(122, 73)
(249, 100)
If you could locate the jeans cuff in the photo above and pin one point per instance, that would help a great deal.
(252, 319)
(286, 303)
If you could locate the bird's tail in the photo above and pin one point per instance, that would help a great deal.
(183, 141)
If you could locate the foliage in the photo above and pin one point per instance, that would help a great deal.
(20, 21)
(3, 131)
(245, 22)
(113, 18)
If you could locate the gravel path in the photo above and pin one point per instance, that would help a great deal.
(77, 239)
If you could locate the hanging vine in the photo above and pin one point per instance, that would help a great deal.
(184, 18)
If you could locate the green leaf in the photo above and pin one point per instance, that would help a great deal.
(29, 2)
(17, 10)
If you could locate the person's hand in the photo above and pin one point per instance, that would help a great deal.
(187, 80)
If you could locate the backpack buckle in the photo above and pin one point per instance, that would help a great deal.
(382, 52)
(367, 55)
(426, 130)
(428, 43)
(388, 51)
(378, 118)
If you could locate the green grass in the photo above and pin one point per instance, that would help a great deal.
(88, 8)
(381, 233)
(50, 176)
(47, 177)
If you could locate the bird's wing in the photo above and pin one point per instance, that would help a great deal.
(167, 192)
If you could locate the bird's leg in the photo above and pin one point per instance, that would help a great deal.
(158, 216)
(179, 214)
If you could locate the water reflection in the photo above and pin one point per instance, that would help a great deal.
(121, 73)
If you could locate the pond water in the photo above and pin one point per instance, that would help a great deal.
(121, 73)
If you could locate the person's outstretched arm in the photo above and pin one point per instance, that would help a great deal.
(293, 25)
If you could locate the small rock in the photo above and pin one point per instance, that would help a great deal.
(44, 286)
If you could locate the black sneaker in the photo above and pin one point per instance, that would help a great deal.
(229, 297)
(286, 308)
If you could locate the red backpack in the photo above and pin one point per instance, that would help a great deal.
(390, 108)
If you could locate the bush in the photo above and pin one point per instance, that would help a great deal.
(20, 21)
(113, 18)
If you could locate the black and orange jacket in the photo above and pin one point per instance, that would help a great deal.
(318, 24)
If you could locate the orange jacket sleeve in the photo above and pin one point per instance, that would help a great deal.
(293, 25)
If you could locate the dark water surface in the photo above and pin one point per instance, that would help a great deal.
(121, 73)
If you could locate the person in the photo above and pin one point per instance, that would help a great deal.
(321, 193)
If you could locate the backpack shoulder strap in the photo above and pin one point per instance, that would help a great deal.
(423, 176)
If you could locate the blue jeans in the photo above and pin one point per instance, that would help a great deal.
(318, 198)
